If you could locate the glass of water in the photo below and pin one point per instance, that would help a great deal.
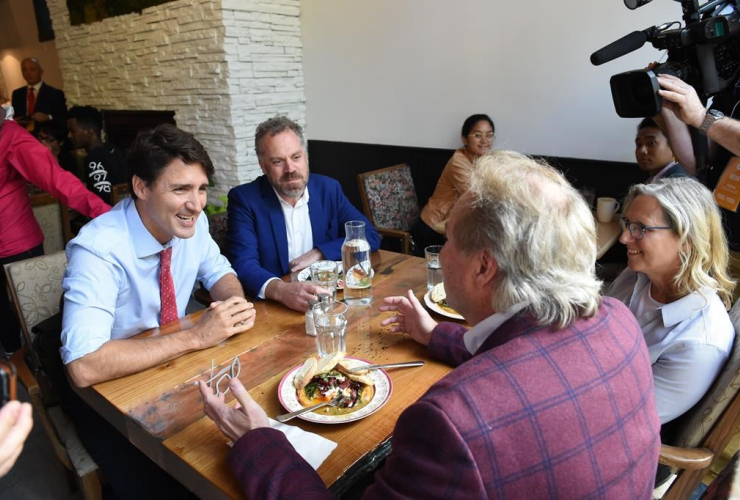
(434, 269)
(325, 274)
(330, 320)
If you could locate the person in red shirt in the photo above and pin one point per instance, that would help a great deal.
(22, 160)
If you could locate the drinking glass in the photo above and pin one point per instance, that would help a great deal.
(434, 269)
(325, 274)
(330, 320)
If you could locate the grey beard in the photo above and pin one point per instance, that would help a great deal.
(295, 193)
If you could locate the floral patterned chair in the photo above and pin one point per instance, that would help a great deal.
(217, 224)
(36, 289)
(53, 217)
(389, 201)
(694, 441)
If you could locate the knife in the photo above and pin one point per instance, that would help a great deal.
(390, 365)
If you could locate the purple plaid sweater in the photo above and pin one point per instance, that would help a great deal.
(535, 413)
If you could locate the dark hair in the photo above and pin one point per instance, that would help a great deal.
(472, 120)
(648, 123)
(274, 126)
(54, 128)
(154, 149)
(87, 117)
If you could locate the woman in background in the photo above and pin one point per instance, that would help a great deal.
(678, 288)
(53, 135)
(477, 138)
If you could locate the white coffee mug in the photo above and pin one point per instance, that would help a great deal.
(606, 208)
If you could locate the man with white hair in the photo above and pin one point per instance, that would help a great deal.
(552, 394)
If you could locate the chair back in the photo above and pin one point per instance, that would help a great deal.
(119, 192)
(36, 288)
(689, 430)
(217, 224)
(389, 197)
(53, 218)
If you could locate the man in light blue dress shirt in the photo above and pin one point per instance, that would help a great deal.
(112, 290)
(112, 283)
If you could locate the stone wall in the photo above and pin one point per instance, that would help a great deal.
(221, 65)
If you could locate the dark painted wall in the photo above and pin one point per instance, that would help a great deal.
(343, 161)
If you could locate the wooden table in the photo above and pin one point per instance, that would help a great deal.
(161, 412)
(607, 234)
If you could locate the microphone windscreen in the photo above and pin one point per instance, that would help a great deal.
(616, 49)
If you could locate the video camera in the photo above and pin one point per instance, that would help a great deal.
(704, 53)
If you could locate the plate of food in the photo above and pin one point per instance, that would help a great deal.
(305, 275)
(436, 300)
(326, 378)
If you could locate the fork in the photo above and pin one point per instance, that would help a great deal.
(288, 416)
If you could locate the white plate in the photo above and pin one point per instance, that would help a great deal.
(383, 389)
(434, 307)
(305, 275)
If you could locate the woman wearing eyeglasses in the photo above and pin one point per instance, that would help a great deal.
(477, 138)
(677, 286)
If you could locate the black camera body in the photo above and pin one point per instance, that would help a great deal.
(705, 54)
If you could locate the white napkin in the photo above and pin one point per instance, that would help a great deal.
(313, 448)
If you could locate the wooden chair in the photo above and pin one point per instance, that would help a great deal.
(120, 192)
(389, 201)
(53, 217)
(36, 288)
(698, 437)
(217, 225)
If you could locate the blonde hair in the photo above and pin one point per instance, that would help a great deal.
(690, 209)
(541, 233)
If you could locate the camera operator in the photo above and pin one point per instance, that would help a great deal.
(682, 107)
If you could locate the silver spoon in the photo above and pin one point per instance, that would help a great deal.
(293, 414)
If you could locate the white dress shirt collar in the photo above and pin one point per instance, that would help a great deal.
(145, 244)
(476, 336)
(297, 225)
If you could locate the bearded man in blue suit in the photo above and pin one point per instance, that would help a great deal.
(286, 219)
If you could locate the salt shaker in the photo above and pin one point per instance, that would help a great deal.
(310, 325)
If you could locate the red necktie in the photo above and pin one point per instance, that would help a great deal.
(31, 106)
(166, 288)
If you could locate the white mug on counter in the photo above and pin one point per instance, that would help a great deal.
(606, 208)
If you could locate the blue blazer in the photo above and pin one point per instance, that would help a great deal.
(256, 235)
(50, 101)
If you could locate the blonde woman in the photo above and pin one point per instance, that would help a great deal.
(677, 286)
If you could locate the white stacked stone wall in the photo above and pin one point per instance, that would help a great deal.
(221, 65)
(264, 55)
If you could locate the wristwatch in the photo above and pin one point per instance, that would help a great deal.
(712, 116)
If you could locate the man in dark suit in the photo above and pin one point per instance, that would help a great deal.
(552, 394)
(37, 101)
(284, 221)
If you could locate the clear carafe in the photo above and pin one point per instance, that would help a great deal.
(358, 273)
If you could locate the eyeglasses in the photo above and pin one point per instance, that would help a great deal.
(637, 230)
(481, 135)
(47, 139)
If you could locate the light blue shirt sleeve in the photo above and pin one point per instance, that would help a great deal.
(682, 375)
(89, 306)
